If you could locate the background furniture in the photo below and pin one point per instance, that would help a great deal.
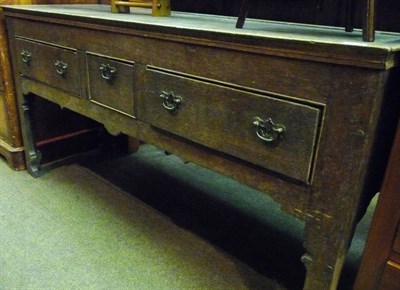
(321, 12)
(158, 7)
(368, 15)
(300, 113)
(10, 136)
(380, 266)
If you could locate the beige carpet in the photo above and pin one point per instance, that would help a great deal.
(71, 229)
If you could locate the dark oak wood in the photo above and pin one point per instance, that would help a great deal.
(34, 65)
(380, 266)
(228, 114)
(112, 86)
(336, 97)
(11, 144)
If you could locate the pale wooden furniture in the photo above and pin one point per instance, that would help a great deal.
(380, 266)
(303, 113)
(158, 7)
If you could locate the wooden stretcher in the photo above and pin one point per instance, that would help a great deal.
(158, 7)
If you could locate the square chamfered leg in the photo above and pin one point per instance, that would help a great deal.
(32, 155)
(325, 253)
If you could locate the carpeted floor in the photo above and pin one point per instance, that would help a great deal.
(147, 221)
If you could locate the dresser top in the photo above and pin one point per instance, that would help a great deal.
(328, 42)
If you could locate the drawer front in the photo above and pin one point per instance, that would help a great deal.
(111, 83)
(55, 66)
(234, 121)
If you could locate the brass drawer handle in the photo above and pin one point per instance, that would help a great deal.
(170, 101)
(107, 72)
(61, 67)
(26, 56)
(268, 131)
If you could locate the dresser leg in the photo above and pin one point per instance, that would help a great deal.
(326, 250)
(32, 155)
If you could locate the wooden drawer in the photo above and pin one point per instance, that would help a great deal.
(223, 118)
(111, 83)
(52, 65)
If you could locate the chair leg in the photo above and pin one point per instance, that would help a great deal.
(350, 7)
(369, 21)
(242, 13)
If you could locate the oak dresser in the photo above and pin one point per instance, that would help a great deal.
(303, 113)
